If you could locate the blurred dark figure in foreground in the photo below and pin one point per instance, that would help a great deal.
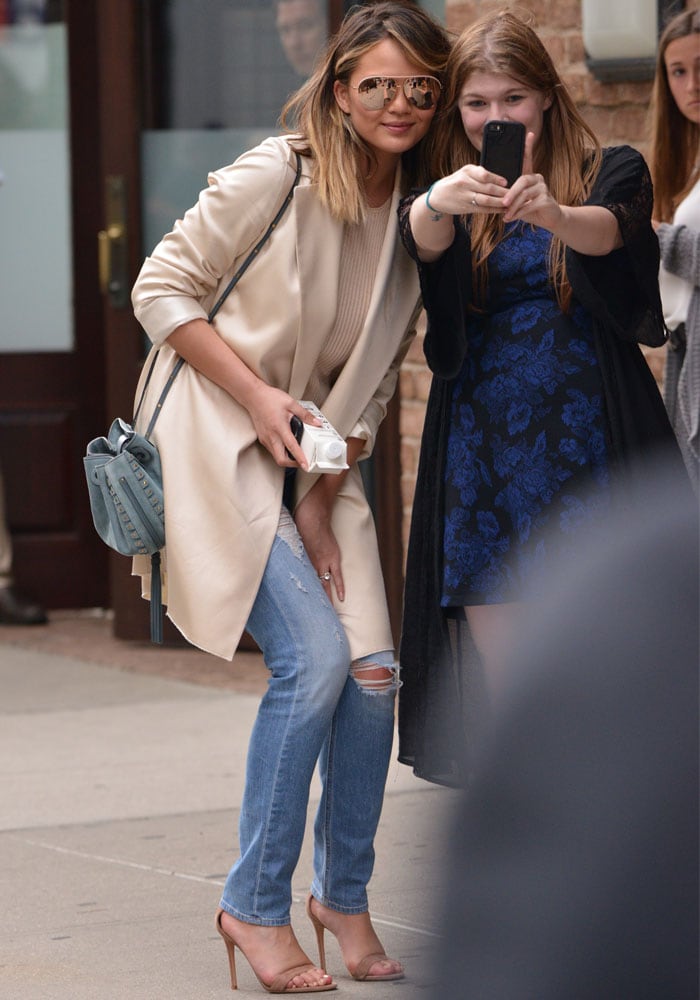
(574, 869)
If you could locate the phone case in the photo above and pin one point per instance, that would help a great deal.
(297, 427)
(503, 148)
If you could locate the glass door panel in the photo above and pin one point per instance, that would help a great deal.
(36, 280)
(217, 74)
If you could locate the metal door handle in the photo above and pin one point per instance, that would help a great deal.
(112, 245)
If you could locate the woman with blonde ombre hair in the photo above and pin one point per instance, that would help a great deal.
(324, 314)
(537, 296)
(336, 150)
(675, 169)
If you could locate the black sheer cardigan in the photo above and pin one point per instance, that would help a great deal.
(440, 706)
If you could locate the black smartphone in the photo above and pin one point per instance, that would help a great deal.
(502, 149)
(297, 426)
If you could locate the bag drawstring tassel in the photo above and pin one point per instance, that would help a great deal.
(156, 601)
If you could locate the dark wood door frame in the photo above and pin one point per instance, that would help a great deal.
(51, 403)
(118, 51)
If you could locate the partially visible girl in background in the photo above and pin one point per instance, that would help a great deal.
(675, 168)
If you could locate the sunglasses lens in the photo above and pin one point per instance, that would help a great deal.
(421, 91)
(375, 91)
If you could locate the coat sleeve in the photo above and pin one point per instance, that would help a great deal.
(368, 424)
(680, 251)
(621, 289)
(178, 282)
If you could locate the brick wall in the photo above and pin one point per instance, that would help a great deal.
(617, 112)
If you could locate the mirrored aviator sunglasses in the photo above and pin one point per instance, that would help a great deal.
(375, 92)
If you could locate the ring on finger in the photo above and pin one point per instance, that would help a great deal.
(475, 203)
(325, 576)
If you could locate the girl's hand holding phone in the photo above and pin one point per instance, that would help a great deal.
(529, 199)
(470, 189)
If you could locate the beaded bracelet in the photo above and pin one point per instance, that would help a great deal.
(436, 216)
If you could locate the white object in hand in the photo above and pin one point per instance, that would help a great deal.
(324, 448)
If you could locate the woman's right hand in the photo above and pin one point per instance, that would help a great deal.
(271, 411)
(468, 190)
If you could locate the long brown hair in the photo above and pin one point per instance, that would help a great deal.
(327, 134)
(567, 155)
(675, 140)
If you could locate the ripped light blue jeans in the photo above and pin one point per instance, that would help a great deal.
(319, 706)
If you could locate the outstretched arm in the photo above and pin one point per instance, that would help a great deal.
(588, 229)
(467, 191)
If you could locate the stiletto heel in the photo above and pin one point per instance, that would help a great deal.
(279, 983)
(230, 951)
(361, 971)
(320, 931)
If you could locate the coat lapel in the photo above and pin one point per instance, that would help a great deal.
(378, 341)
(319, 245)
(394, 297)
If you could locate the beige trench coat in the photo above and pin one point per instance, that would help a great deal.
(222, 489)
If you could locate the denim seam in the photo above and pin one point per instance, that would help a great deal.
(277, 768)
(328, 860)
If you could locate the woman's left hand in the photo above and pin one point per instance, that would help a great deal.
(589, 229)
(529, 199)
(313, 521)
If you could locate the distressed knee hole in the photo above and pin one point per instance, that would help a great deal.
(288, 533)
(374, 678)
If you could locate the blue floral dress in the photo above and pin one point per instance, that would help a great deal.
(526, 462)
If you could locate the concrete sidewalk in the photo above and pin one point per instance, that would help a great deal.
(119, 798)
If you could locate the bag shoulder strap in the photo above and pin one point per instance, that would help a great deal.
(222, 298)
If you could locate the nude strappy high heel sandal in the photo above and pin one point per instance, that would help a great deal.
(361, 971)
(279, 983)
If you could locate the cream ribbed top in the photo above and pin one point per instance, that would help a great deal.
(359, 257)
